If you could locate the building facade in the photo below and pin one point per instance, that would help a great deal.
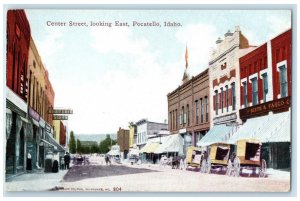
(132, 134)
(188, 109)
(123, 141)
(265, 77)
(147, 129)
(224, 78)
(17, 128)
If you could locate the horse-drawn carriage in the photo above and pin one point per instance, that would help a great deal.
(193, 157)
(216, 157)
(248, 157)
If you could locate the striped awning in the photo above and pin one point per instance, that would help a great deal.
(218, 134)
(268, 128)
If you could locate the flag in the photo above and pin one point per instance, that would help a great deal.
(186, 57)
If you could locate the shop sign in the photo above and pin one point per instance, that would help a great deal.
(48, 128)
(60, 117)
(226, 118)
(33, 114)
(183, 130)
(59, 111)
(274, 106)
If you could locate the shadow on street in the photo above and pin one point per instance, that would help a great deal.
(77, 173)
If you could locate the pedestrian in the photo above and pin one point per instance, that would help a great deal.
(29, 162)
(67, 159)
(107, 160)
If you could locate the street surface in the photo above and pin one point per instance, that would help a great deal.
(97, 176)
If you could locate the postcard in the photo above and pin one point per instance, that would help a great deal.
(141, 100)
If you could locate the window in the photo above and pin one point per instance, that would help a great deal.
(245, 94)
(265, 86)
(202, 110)
(197, 111)
(176, 125)
(222, 99)
(233, 95)
(184, 116)
(254, 91)
(283, 81)
(181, 116)
(217, 105)
(227, 103)
(188, 114)
(206, 101)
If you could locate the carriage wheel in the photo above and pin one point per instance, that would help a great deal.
(203, 166)
(236, 167)
(263, 168)
(208, 166)
(229, 168)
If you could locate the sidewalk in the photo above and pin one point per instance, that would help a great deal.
(36, 181)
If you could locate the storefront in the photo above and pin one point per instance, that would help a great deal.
(16, 134)
(269, 122)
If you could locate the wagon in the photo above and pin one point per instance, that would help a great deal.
(193, 157)
(217, 157)
(248, 156)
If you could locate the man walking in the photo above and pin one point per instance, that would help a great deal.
(67, 159)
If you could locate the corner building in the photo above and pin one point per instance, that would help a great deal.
(17, 128)
(265, 93)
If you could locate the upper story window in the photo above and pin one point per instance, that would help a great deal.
(222, 99)
(207, 109)
(188, 114)
(227, 101)
(254, 91)
(197, 111)
(217, 104)
(202, 110)
(245, 94)
(233, 95)
(265, 86)
(283, 81)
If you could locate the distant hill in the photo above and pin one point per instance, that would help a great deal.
(94, 137)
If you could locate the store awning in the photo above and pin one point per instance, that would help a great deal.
(174, 143)
(269, 128)
(152, 147)
(143, 150)
(35, 122)
(218, 133)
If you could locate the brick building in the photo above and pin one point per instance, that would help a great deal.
(265, 77)
(188, 108)
(123, 141)
(17, 128)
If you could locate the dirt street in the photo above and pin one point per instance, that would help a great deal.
(152, 178)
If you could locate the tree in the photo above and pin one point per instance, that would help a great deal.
(106, 144)
(79, 147)
(72, 143)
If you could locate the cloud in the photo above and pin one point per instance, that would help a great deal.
(278, 25)
(199, 39)
(117, 40)
(51, 44)
(119, 96)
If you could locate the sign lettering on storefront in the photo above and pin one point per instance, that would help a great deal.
(226, 118)
(60, 117)
(33, 114)
(59, 111)
(276, 105)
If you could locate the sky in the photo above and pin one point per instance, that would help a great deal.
(110, 76)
